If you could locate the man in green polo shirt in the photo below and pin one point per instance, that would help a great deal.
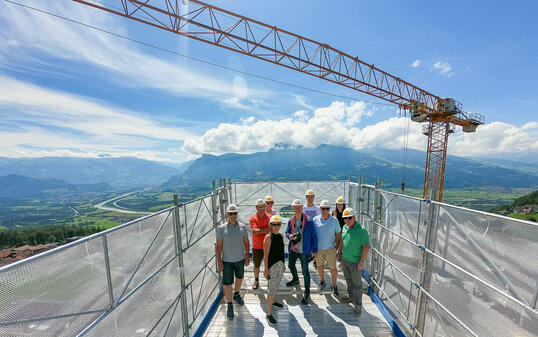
(352, 253)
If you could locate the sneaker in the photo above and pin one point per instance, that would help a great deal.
(278, 304)
(322, 285)
(255, 285)
(346, 299)
(304, 301)
(335, 291)
(292, 282)
(358, 310)
(230, 312)
(271, 319)
(238, 299)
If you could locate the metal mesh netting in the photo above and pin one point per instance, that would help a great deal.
(137, 250)
(402, 217)
(142, 311)
(196, 219)
(64, 291)
(499, 251)
(244, 195)
(283, 193)
(54, 285)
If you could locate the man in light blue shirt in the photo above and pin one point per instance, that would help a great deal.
(329, 235)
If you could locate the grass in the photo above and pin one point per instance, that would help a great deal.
(481, 199)
(528, 217)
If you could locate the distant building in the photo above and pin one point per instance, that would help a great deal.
(11, 255)
(74, 238)
(529, 209)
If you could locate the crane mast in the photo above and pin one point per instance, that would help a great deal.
(228, 30)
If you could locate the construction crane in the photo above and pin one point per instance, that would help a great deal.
(225, 29)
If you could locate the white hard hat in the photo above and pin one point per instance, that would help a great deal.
(268, 198)
(260, 202)
(310, 192)
(348, 213)
(297, 202)
(231, 209)
(325, 203)
(340, 200)
(275, 218)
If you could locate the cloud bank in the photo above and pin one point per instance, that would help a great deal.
(340, 124)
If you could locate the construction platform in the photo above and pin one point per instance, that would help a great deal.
(325, 315)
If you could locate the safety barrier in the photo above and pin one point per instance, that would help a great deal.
(440, 269)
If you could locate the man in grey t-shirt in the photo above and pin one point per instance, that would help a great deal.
(233, 248)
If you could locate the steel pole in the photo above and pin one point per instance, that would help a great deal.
(179, 247)
(535, 297)
(427, 268)
(215, 225)
(108, 274)
(375, 235)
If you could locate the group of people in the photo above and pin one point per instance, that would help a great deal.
(314, 235)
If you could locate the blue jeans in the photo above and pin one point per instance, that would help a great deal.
(293, 256)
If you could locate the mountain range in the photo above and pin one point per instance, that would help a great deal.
(15, 186)
(334, 162)
(125, 172)
(35, 177)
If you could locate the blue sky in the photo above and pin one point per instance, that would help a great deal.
(66, 90)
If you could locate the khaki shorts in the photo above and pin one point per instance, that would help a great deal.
(328, 255)
(257, 257)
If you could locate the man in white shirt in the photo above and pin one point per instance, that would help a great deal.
(311, 209)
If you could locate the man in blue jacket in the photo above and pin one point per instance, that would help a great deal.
(303, 245)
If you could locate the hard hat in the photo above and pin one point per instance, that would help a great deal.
(348, 213)
(296, 202)
(325, 203)
(310, 192)
(340, 200)
(260, 202)
(268, 198)
(275, 218)
(231, 208)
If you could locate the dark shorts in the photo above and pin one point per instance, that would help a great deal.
(231, 269)
(257, 257)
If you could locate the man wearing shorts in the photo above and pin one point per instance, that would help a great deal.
(232, 256)
(259, 223)
(329, 235)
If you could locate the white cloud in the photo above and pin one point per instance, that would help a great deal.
(302, 102)
(416, 63)
(495, 138)
(443, 67)
(27, 37)
(338, 124)
(40, 121)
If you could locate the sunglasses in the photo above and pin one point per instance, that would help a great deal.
(347, 218)
(260, 207)
(325, 208)
(232, 214)
(269, 202)
(276, 224)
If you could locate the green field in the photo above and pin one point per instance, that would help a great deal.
(528, 217)
(481, 199)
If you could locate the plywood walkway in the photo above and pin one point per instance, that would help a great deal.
(325, 315)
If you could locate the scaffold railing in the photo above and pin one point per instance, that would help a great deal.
(439, 269)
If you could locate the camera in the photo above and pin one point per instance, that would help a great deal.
(296, 238)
